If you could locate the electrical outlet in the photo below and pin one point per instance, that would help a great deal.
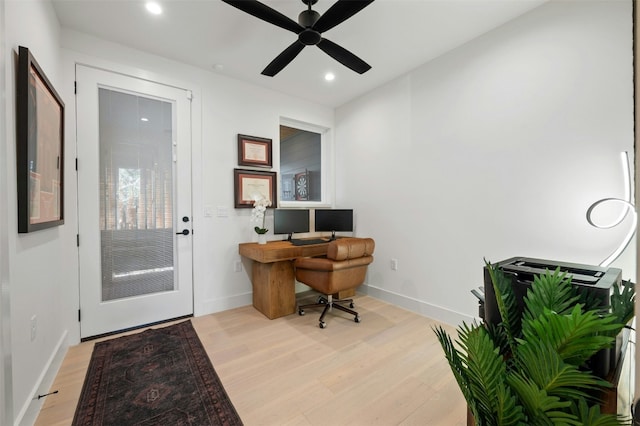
(237, 266)
(34, 327)
(394, 264)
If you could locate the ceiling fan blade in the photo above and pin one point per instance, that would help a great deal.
(283, 59)
(339, 12)
(264, 12)
(343, 56)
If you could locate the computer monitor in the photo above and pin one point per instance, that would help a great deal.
(334, 220)
(288, 221)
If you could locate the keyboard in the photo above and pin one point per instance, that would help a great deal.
(308, 242)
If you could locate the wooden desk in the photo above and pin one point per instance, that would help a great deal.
(273, 278)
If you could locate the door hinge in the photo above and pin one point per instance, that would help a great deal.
(189, 94)
(75, 87)
(77, 240)
(78, 315)
(76, 164)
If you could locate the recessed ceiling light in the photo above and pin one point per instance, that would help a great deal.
(144, 119)
(154, 7)
(329, 76)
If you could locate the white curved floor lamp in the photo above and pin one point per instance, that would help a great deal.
(629, 208)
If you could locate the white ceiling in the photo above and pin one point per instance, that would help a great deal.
(393, 36)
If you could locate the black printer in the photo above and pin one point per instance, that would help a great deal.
(597, 281)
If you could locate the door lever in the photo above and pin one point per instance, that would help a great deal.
(183, 232)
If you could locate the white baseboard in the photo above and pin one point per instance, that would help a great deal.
(31, 408)
(414, 305)
(421, 307)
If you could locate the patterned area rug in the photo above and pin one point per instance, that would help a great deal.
(160, 376)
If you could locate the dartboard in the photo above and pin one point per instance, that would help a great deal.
(302, 186)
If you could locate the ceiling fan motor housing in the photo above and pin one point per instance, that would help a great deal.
(309, 36)
(308, 18)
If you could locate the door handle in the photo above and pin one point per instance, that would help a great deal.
(183, 232)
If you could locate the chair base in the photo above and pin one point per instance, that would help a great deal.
(328, 302)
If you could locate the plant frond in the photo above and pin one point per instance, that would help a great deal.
(509, 411)
(545, 367)
(507, 304)
(499, 337)
(540, 408)
(480, 371)
(591, 416)
(486, 369)
(457, 365)
(549, 291)
(590, 301)
(576, 337)
(623, 303)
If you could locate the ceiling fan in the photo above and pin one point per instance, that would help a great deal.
(309, 28)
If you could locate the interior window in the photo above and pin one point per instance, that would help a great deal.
(301, 165)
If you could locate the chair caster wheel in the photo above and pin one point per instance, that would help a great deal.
(357, 319)
(301, 312)
(351, 305)
(322, 324)
(322, 300)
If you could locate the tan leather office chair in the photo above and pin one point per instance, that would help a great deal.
(344, 267)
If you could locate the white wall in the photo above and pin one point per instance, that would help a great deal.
(494, 150)
(42, 276)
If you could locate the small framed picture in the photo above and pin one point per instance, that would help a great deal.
(251, 185)
(254, 151)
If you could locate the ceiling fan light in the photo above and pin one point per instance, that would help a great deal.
(308, 37)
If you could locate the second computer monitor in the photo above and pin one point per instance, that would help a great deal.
(334, 220)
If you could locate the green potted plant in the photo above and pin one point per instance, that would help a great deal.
(530, 369)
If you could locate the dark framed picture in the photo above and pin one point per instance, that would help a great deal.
(39, 147)
(254, 151)
(251, 185)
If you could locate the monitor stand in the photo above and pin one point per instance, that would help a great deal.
(290, 234)
(333, 236)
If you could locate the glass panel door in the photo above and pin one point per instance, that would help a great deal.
(134, 152)
(136, 199)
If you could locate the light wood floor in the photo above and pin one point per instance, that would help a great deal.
(387, 370)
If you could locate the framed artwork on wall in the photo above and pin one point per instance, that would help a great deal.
(254, 151)
(250, 185)
(39, 147)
